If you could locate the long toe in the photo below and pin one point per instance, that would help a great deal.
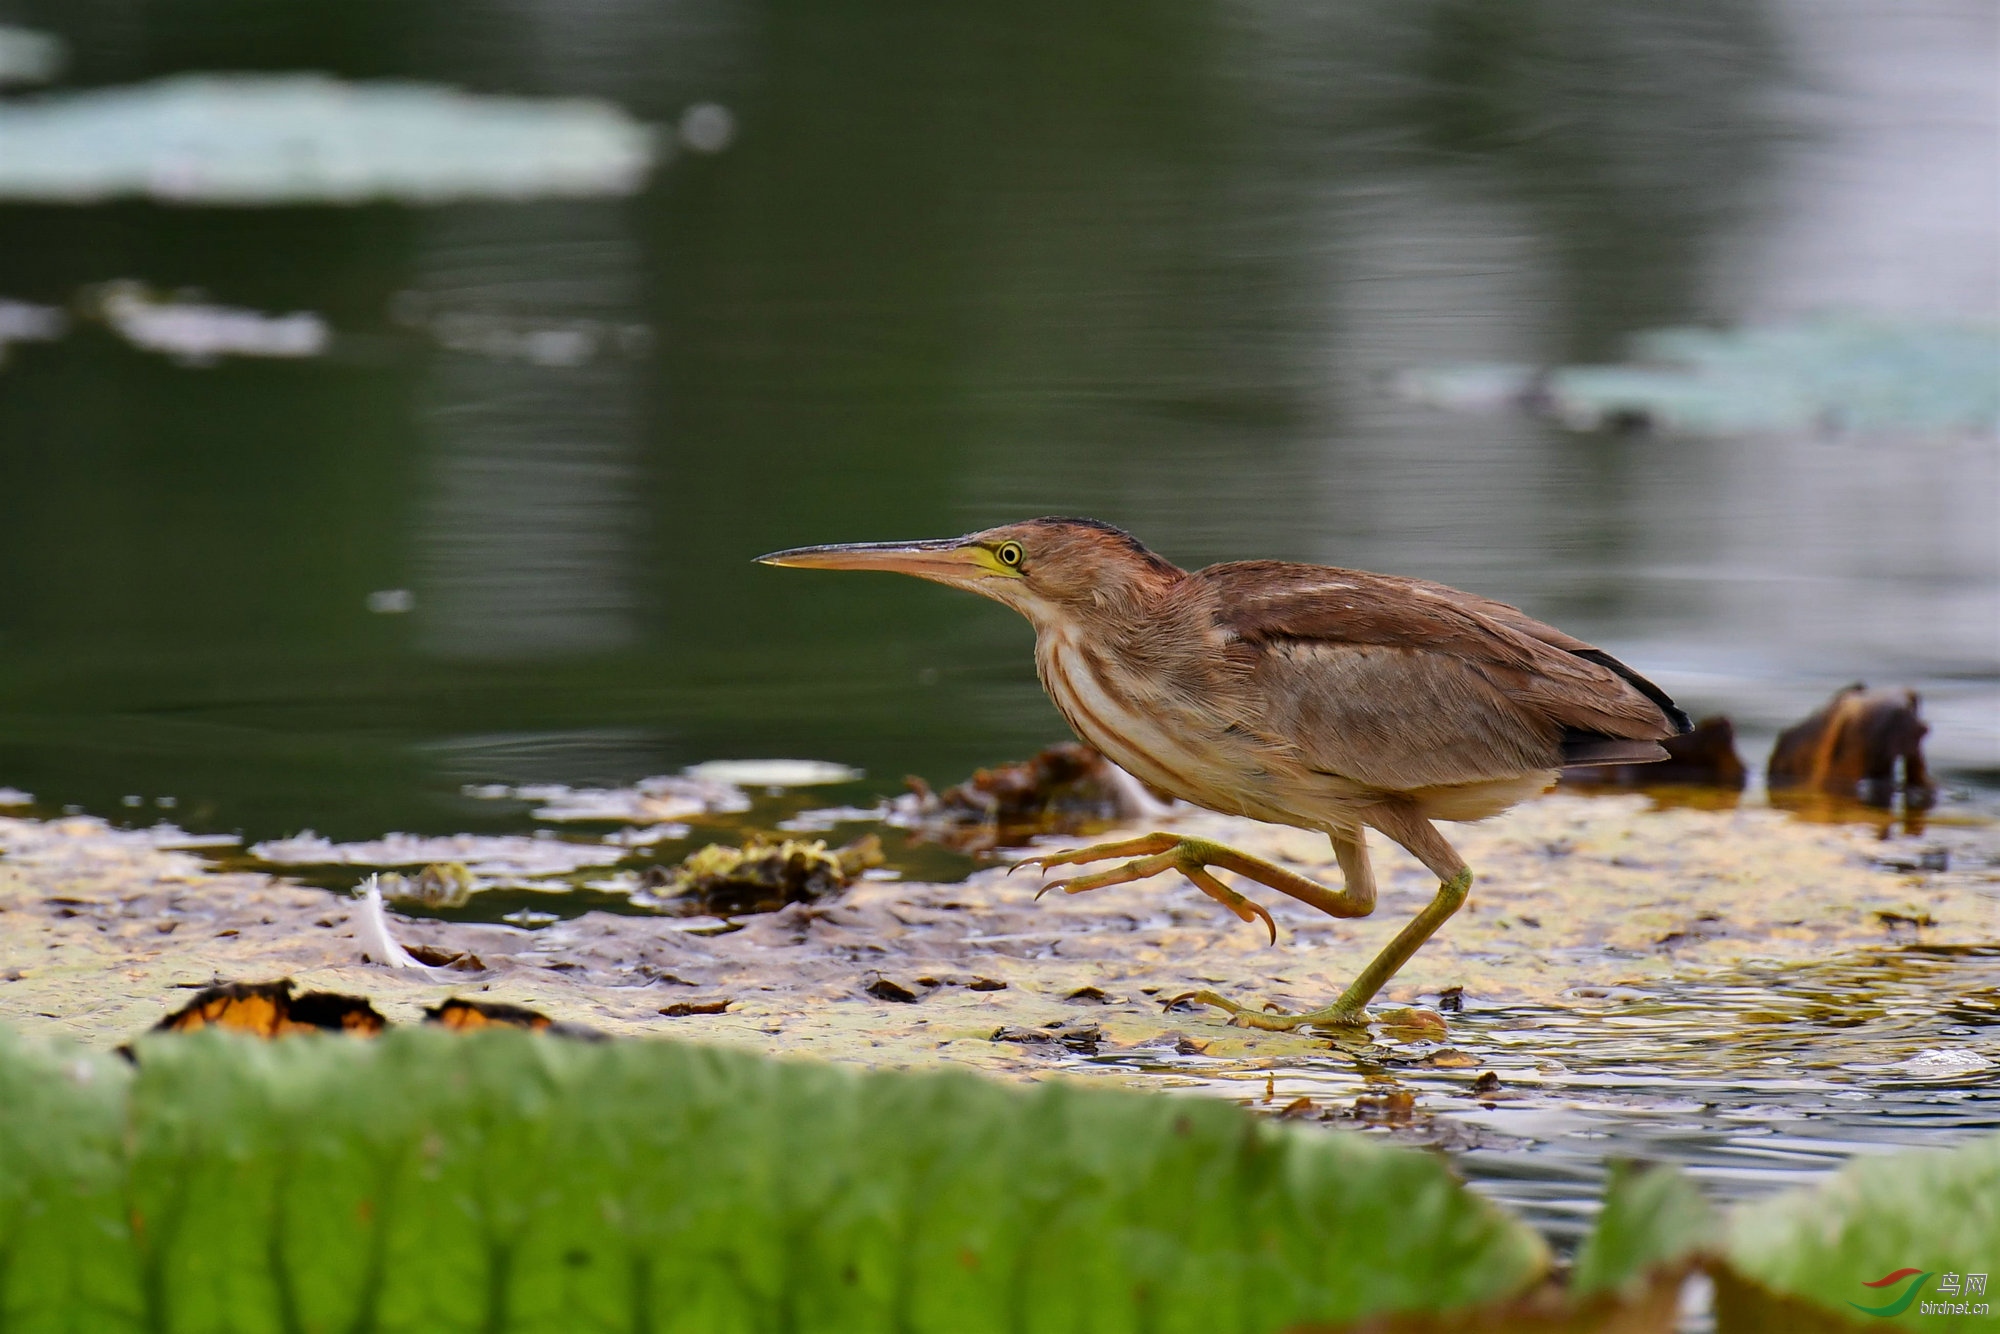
(1144, 845)
(1117, 875)
(1270, 1017)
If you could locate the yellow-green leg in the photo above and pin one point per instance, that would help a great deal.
(1352, 1006)
(1154, 853)
(1191, 857)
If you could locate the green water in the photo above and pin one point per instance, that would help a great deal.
(1150, 263)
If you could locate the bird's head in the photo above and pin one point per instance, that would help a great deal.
(1046, 569)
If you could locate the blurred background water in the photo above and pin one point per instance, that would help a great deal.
(913, 271)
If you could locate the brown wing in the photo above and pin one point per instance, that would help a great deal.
(1399, 683)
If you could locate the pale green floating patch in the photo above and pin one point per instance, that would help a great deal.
(1845, 376)
(773, 773)
(303, 139)
(427, 1181)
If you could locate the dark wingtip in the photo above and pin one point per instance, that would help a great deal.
(1678, 719)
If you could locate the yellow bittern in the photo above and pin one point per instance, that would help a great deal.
(1301, 695)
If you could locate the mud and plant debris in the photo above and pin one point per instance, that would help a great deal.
(1705, 757)
(270, 1010)
(1862, 745)
(1395, 1107)
(1065, 789)
(762, 876)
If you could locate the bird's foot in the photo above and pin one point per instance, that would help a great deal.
(1153, 853)
(1272, 1019)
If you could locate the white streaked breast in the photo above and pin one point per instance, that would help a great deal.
(1133, 740)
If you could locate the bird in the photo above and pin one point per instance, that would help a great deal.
(1321, 698)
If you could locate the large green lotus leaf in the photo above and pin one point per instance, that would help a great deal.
(61, 1116)
(1803, 1260)
(503, 1181)
(1653, 1220)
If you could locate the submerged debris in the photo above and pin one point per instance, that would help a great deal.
(1862, 744)
(439, 885)
(1077, 1035)
(761, 876)
(1065, 789)
(1705, 757)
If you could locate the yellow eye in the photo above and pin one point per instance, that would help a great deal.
(1009, 554)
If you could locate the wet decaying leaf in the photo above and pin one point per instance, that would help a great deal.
(1862, 745)
(682, 1009)
(270, 1010)
(1065, 789)
(460, 1015)
(761, 876)
(436, 957)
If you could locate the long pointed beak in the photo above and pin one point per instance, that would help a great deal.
(952, 559)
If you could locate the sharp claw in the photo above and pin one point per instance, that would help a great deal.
(1269, 924)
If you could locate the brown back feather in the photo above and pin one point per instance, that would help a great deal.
(1566, 688)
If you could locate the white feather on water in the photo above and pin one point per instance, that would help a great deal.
(371, 930)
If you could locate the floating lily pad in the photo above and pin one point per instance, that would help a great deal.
(773, 773)
(302, 139)
(510, 856)
(1831, 375)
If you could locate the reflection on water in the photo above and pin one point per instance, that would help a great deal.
(1752, 1081)
(1160, 266)
(528, 535)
